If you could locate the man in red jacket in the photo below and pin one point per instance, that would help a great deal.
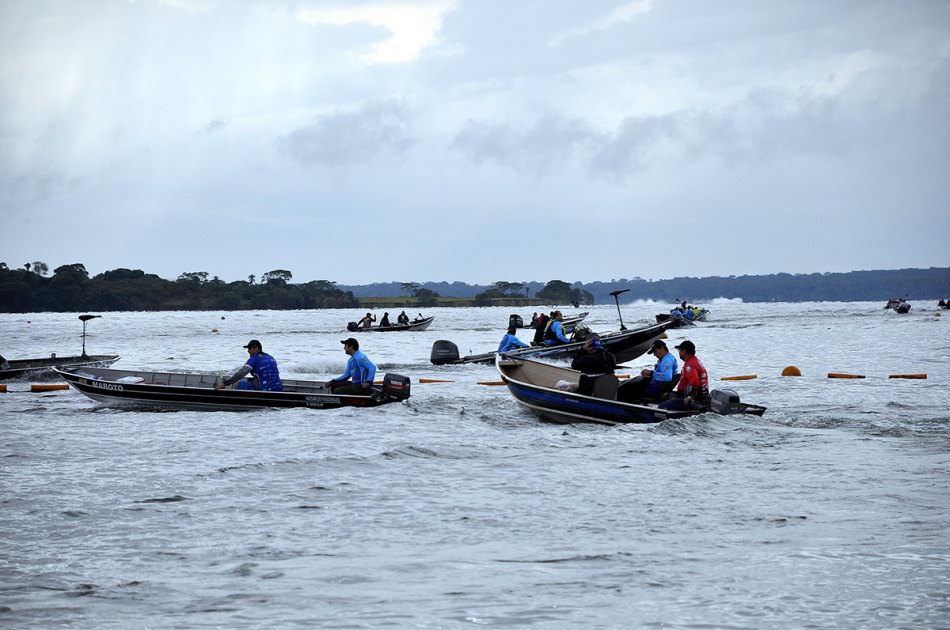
(692, 392)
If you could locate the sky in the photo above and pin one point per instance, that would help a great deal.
(475, 140)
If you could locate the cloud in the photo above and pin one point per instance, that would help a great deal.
(623, 13)
(412, 27)
(346, 137)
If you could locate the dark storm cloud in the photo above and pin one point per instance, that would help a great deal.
(382, 126)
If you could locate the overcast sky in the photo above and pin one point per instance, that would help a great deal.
(475, 140)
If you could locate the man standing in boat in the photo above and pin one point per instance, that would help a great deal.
(358, 368)
(692, 392)
(262, 366)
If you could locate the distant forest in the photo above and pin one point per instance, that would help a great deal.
(69, 288)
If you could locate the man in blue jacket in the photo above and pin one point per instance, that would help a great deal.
(262, 366)
(510, 341)
(554, 336)
(664, 370)
(359, 369)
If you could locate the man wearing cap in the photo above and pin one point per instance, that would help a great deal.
(510, 341)
(593, 358)
(692, 392)
(662, 372)
(358, 368)
(261, 366)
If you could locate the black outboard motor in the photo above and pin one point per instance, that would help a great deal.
(444, 352)
(724, 401)
(397, 386)
(515, 320)
(352, 326)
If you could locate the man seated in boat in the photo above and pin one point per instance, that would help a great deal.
(403, 318)
(510, 341)
(692, 392)
(554, 335)
(260, 365)
(593, 358)
(359, 374)
(540, 328)
(651, 383)
(385, 320)
(367, 321)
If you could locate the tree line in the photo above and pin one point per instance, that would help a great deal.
(70, 288)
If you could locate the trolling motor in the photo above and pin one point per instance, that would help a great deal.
(617, 300)
(84, 319)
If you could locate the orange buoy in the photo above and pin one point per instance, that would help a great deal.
(3, 388)
(791, 371)
(842, 375)
(35, 387)
(491, 383)
(433, 380)
(746, 377)
(920, 376)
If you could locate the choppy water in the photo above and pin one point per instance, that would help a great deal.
(459, 509)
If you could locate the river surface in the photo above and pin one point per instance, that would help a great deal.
(459, 509)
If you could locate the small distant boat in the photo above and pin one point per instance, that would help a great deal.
(565, 396)
(898, 306)
(625, 345)
(43, 367)
(684, 317)
(188, 390)
(417, 324)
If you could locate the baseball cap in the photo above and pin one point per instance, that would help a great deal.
(351, 342)
(657, 343)
(687, 345)
(254, 343)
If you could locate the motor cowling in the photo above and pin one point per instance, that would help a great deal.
(515, 320)
(396, 386)
(724, 401)
(443, 352)
(352, 326)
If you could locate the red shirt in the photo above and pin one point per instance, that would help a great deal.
(694, 380)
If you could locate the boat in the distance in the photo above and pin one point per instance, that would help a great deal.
(417, 324)
(626, 345)
(566, 396)
(901, 306)
(192, 390)
(43, 367)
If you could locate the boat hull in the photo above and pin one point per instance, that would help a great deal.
(170, 390)
(421, 324)
(535, 385)
(43, 368)
(625, 345)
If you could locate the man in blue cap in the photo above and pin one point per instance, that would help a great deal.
(593, 358)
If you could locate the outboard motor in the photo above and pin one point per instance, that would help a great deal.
(443, 352)
(724, 401)
(396, 386)
(515, 320)
(352, 326)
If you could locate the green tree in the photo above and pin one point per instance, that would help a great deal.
(277, 276)
(40, 268)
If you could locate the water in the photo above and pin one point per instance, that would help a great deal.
(459, 509)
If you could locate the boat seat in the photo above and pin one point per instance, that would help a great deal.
(598, 386)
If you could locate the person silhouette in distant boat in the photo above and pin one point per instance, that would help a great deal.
(403, 318)
(367, 321)
(385, 320)
(261, 366)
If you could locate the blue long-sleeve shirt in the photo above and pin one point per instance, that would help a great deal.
(359, 368)
(557, 329)
(510, 342)
(664, 370)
